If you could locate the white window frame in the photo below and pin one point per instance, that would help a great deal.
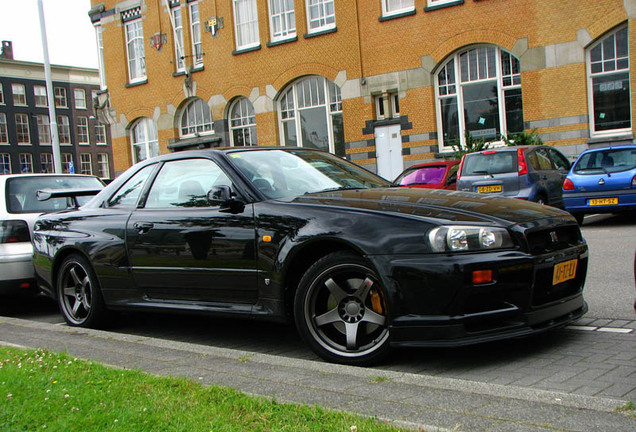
(80, 98)
(100, 55)
(68, 166)
(179, 54)
(1, 95)
(289, 109)
(103, 165)
(63, 130)
(46, 161)
(242, 119)
(22, 124)
(195, 34)
(135, 51)
(433, 3)
(196, 119)
(26, 160)
(395, 7)
(100, 134)
(458, 93)
(5, 163)
(40, 97)
(4, 129)
(86, 164)
(44, 129)
(19, 94)
(246, 33)
(590, 83)
(83, 137)
(286, 18)
(324, 20)
(60, 97)
(143, 134)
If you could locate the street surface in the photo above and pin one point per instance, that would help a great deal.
(597, 357)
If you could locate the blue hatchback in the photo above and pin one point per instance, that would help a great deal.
(601, 181)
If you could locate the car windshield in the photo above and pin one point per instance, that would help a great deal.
(491, 162)
(280, 173)
(21, 192)
(606, 161)
(423, 175)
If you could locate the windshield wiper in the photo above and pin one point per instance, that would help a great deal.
(342, 188)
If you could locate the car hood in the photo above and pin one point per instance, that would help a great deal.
(441, 205)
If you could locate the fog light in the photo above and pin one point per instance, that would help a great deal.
(482, 277)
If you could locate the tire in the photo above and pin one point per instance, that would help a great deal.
(78, 294)
(340, 310)
(541, 199)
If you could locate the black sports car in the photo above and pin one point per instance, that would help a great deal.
(298, 234)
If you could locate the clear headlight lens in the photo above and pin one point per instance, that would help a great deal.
(468, 238)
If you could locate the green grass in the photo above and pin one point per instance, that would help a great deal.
(40, 390)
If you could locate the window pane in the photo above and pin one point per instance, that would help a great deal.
(611, 102)
(514, 111)
(450, 121)
(289, 134)
(481, 110)
(314, 129)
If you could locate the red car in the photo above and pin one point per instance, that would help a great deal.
(432, 175)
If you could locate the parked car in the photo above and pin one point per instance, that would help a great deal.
(301, 235)
(432, 175)
(19, 209)
(534, 173)
(602, 180)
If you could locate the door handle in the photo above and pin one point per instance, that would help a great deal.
(143, 227)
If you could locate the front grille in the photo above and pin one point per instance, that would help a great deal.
(553, 239)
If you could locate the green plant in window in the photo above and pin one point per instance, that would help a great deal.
(523, 138)
(470, 145)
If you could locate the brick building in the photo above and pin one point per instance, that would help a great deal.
(386, 83)
(25, 132)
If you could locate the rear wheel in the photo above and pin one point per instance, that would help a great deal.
(541, 199)
(340, 310)
(78, 293)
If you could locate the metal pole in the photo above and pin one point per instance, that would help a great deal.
(55, 141)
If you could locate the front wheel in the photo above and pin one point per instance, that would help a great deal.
(78, 293)
(340, 310)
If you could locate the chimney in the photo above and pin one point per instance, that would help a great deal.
(7, 50)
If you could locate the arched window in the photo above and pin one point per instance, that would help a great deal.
(310, 114)
(242, 123)
(608, 84)
(143, 135)
(196, 119)
(479, 90)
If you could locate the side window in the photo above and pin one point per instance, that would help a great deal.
(544, 160)
(185, 184)
(559, 160)
(128, 194)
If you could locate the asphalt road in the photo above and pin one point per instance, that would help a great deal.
(609, 288)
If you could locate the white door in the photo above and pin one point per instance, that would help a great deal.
(388, 150)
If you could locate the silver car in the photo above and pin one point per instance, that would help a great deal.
(19, 208)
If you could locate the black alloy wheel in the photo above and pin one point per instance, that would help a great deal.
(340, 310)
(78, 293)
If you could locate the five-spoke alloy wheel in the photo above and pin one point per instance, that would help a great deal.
(78, 294)
(340, 310)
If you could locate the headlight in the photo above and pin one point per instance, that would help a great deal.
(468, 238)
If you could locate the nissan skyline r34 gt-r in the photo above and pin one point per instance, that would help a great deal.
(300, 235)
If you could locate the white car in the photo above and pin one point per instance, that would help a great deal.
(19, 208)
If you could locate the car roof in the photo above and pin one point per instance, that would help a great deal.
(599, 149)
(427, 164)
(507, 149)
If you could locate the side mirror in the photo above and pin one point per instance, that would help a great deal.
(222, 197)
(452, 179)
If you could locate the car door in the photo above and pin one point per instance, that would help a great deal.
(184, 249)
(562, 166)
(550, 181)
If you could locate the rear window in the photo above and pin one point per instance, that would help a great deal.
(610, 160)
(20, 192)
(490, 163)
(424, 175)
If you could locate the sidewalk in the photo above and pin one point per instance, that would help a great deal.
(411, 400)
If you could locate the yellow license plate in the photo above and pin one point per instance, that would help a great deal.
(564, 271)
(489, 189)
(603, 201)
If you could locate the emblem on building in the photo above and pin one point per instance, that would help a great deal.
(158, 40)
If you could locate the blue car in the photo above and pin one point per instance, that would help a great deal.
(601, 180)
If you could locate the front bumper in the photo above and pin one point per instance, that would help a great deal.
(436, 304)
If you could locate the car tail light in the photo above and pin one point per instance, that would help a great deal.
(461, 165)
(569, 184)
(14, 231)
(489, 152)
(634, 182)
(521, 162)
